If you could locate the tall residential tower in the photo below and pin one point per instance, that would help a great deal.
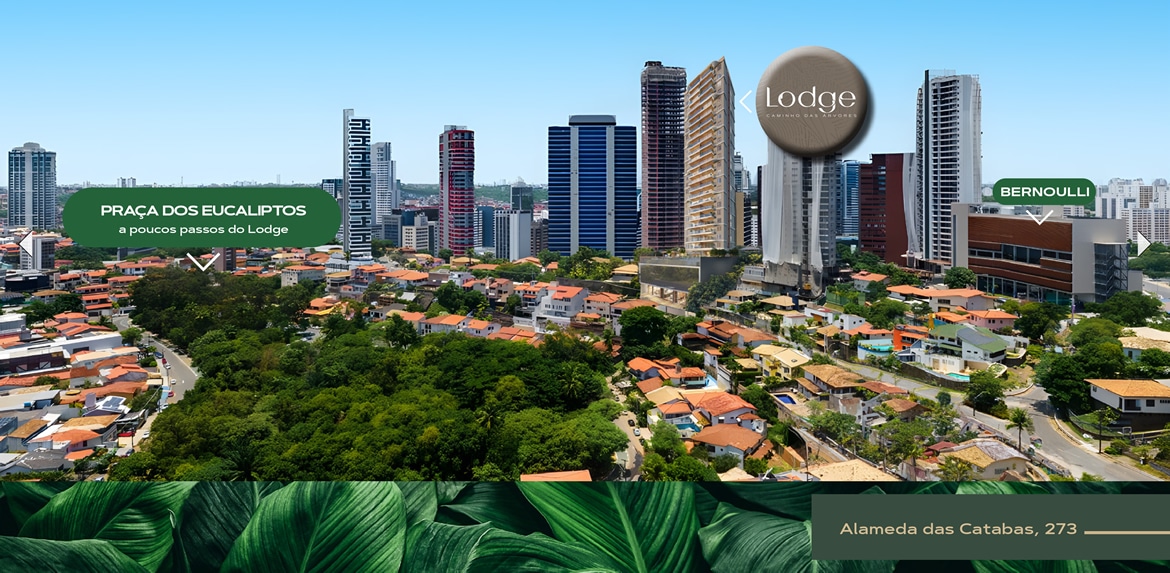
(357, 215)
(385, 188)
(663, 155)
(709, 187)
(32, 187)
(457, 189)
(949, 159)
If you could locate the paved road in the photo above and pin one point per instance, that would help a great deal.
(1159, 288)
(1077, 456)
(180, 376)
(634, 451)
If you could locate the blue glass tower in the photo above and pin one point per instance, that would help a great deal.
(593, 186)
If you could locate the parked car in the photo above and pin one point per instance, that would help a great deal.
(171, 394)
(168, 366)
(146, 434)
(158, 355)
(631, 421)
(637, 431)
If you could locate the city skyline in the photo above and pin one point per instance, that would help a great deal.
(210, 76)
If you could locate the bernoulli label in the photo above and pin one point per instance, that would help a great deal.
(812, 101)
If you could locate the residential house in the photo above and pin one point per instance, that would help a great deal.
(561, 304)
(445, 323)
(862, 280)
(779, 361)
(480, 328)
(748, 338)
(125, 390)
(515, 334)
(1143, 404)
(849, 321)
(68, 440)
(852, 470)
(643, 368)
(830, 379)
(32, 398)
(989, 457)
(943, 299)
(680, 377)
(906, 335)
(993, 319)
(499, 289)
(40, 461)
(976, 346)
(295, 274)
(905, 410)
(531, 294)
(731, 439)
(1133, 346)
(104, 426)
(47, 296)
(600, 303)
(723, 408)
(19, 438)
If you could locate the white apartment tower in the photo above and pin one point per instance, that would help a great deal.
(385, 187)
(949, 159)
(798, 198)
(357, 205)
(32, 187)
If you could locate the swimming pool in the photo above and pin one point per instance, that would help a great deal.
(786, 399)
(689, 426)
(957, 376)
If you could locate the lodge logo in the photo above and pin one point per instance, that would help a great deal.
(812, 101)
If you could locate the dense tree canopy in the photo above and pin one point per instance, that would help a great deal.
(644, 326)
(959, 277)
(1128, 308)
(363, 402)
(1038, 319)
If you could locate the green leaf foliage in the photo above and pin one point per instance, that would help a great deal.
(21, 500)
(481, 502)
(318, 527)
(645, 529)
(135, 518)
(213, 517)
(82, 556)
(1034, 567)
(749, 541)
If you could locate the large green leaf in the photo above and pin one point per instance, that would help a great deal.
(705, 504)
(23, 499)
(482, 548)
(213, 517)
(1132, 566)
(324, 526)
(500, 503)
(643, 527)
(505, 552)
(423, 498)
(134, 517)
(1034, 567)
(784, 499)
(740, 540)
(998, 488)
(84, 556)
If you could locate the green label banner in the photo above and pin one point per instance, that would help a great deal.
(202, 217)
(972, 527)
(1044, 192)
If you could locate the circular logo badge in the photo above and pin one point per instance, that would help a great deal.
(812, 101)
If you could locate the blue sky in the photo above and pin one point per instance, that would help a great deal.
(219, 92)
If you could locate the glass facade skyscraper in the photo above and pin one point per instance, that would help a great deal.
(593, 186)
(32, 187)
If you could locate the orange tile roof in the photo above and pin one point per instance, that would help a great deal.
(79, 455)
(719, 403)
(678, 407)
(124, 388)
(478, 324)
(689, 373)
(883, 388)
(834, 376)
(1133, 388)
(604, 297)
(729, 435)
(992, 314)
(899, 405)
(577, 475)
(632, 303)
(448, 320)
(951, 317)
(868, 276)
(642, 365)
(30, 379)
(69, 436)
(650, 384)
(566, 292)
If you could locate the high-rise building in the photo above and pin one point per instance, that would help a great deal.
(743, 194)
(385, 189)
(522, 196)
(539, 236)
(713, 219)
(949, 159)
(1153, 223)
(847, 199)
(513, 234)
(885, 191)
(798, 198)
(663, 156)
(485, 220)
(592, 186)
(336, 189)
(457, 189)
(225, 259)
(38, 251)
(32, 187)
(126, 182)
(357, 215)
